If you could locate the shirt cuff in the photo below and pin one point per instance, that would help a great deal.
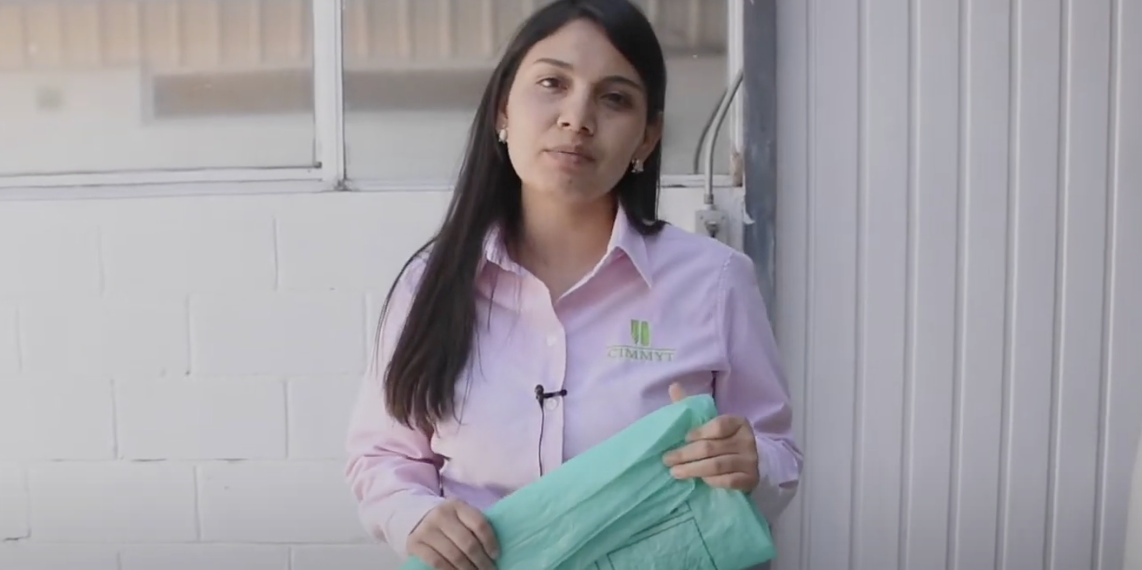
(780, 472)
(407, 512)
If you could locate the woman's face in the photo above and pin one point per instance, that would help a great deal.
(576, 116)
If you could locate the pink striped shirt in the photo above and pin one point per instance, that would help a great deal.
(676, 307)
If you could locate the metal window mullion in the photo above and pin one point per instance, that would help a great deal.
(653, 13)
(328, 89)
(82, 189)
(404, 30)
(130, 178)
(668, 182)
(694, 24)
(735, 59)
(447, 29)
(488, 27)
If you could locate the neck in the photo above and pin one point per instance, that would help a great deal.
(561, 242)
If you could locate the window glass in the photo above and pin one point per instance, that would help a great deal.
(114, 85)
(415, 71)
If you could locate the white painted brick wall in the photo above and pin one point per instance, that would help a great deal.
(14, 499)
(201, 419)
(109, 501)
(276, 502)
(303, 333)
(206, 557)
(42, 556)
(103, 336)
(9, 341)
(317, 418)
(64, 259)
(343, 558)
(57, 420)
(176, 376)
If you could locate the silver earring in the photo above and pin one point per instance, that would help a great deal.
(636, 166)
(503, 134)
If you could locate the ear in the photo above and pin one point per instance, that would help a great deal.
(502, 112)
(650, 138)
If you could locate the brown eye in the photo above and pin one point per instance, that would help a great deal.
(617, 99)
(550, 83)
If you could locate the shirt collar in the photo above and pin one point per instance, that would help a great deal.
(624, 239)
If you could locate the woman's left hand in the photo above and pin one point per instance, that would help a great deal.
(723, 452)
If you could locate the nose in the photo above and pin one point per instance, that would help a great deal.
(578, 114)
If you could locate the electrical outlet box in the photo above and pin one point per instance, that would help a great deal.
(713, 223)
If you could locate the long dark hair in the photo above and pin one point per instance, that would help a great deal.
(436, 340)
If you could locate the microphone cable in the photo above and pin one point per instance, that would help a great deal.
(540, 396)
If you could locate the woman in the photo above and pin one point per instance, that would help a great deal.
(553, 308)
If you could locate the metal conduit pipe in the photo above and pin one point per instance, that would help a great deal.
(709, 142)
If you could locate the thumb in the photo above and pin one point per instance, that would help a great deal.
(676, 392)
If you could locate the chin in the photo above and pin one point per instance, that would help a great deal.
(575, 189)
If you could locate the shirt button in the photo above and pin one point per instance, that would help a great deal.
(551, 340)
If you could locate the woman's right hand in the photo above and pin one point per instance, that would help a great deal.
(454, 536)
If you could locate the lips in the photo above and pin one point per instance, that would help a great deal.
(573, 152)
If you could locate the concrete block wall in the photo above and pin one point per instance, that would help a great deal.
(176, 374)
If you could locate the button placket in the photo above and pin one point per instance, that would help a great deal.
(555, 356)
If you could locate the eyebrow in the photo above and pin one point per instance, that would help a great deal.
(610, 79)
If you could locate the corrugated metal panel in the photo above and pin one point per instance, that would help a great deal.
(213, 35)
(959, 186)
(164, 35)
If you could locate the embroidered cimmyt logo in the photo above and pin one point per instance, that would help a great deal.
(640, 347)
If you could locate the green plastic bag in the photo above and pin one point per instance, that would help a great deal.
(616, 507)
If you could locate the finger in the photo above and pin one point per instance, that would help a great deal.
(449, 550)
(736, 481)
(430, 556)
(712, 467)
(470, 547)
(676, 392)
(720, 427)
(475, 521)
(698, 451)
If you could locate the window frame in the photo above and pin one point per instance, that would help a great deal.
(328, 173)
